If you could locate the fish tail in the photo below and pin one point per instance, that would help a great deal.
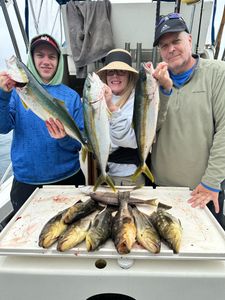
(151, 202)
(101, 179)
(142, 169)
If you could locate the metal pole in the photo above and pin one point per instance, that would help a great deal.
(9, 25)
(21, 24)
(138, 55)
(199, 27)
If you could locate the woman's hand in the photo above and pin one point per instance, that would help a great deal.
(6, 83)
(108, 98)
(55, 129)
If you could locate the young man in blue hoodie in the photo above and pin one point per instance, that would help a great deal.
(41, 153)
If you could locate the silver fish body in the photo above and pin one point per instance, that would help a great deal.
(145, 115)
(36, 98)
(96, 122)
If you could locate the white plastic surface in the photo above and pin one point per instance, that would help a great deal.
(203, 238)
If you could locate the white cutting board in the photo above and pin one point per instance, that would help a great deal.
(203, 238)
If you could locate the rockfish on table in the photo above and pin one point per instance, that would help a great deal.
(52, 230)
(35, 97)
(147, 236)
(75, 233)
(96, 124)
(145, 115)
(123, 228)
(168, 227)
(79, 210)
(100, 229)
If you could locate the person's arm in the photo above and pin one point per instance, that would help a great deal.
(210, 185)
(6, 103)
(57, 131)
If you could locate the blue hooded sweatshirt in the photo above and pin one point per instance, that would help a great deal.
(37, 158)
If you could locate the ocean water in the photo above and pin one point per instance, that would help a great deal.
(5, 144)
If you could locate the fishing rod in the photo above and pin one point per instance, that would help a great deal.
(177, 6)
(199, 27)
(157, 17)
(219, 35)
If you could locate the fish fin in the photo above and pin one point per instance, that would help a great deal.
(151, 202)
(163, 206)
(101, 179)
(83, 154)
(142, 169)
(24, 105)
(60, 102)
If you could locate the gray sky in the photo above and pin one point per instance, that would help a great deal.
(6, 48)
(48, 14)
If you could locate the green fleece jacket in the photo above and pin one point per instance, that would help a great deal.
(190, 144)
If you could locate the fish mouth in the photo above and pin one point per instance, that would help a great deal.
(20, 84)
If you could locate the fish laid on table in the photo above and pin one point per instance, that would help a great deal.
(100, 229)
(145, 115)
(112, 199)
(35, 97)
(75, 233)
(123, 228)
(97, 125)
(79, 210)
(52, 230)
(168, 227)
(147, 236)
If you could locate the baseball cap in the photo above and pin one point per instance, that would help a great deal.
(44, 39)
(172, 22)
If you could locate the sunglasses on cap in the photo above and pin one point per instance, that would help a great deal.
(170, 17)
(116, 72)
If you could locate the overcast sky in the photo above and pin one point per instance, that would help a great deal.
(48, 15)
(6, 46)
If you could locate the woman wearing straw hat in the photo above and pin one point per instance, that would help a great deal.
(120, 78)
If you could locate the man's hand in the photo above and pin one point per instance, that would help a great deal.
(201, 196)
(55, 129)
(6, 83)
(162, 75)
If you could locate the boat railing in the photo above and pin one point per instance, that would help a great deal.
(6, 174)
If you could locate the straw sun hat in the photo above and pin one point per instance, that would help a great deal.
(118, 59)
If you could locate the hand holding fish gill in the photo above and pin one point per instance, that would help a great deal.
(108, 99)
(162, 75)
(6, 83)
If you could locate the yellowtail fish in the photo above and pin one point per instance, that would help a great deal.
(96, 120)
(123, 228)
(145, 115)
(35, 97)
